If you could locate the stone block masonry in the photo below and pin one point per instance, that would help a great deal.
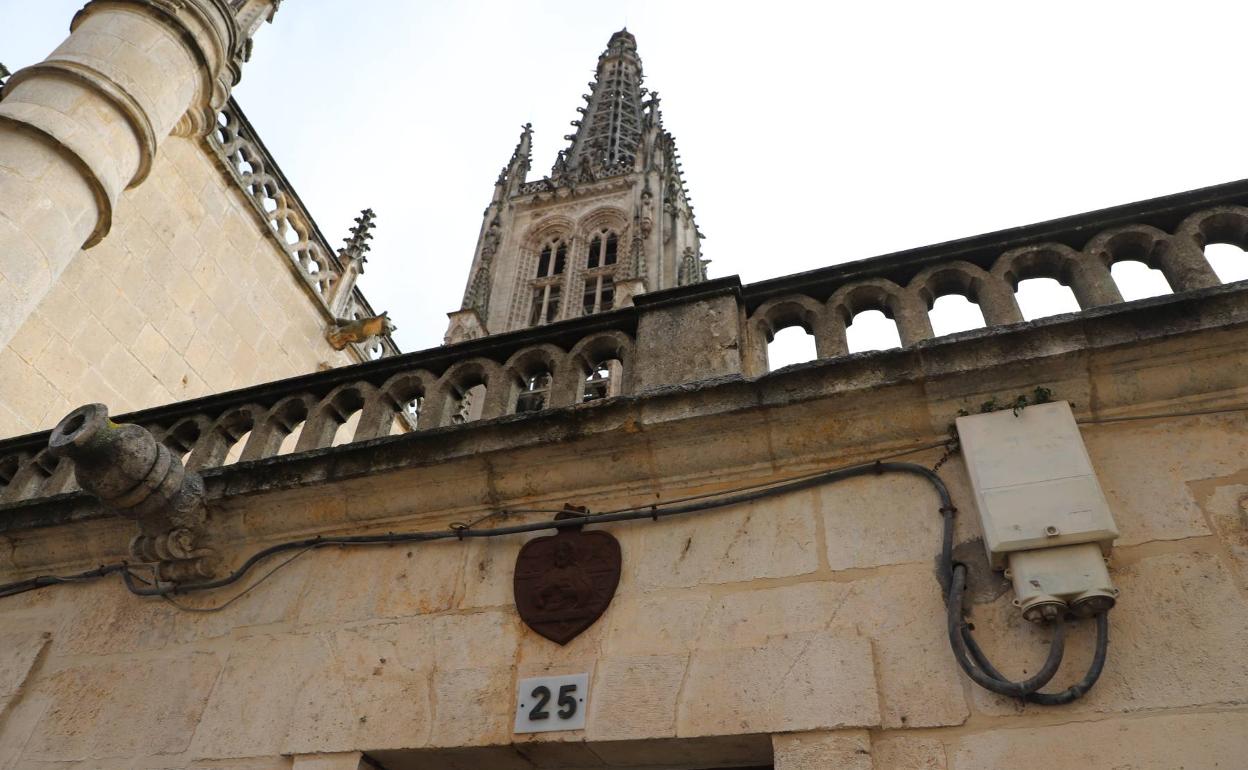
(188, 296)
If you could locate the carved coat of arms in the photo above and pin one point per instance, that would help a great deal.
(564, 582)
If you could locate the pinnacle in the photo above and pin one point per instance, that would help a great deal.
(357, 243)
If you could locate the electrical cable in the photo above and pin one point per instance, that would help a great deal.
(988, 677)
(42, 581)
(1160, 415)
(1070, 694)
(239, 595)
(952, 577)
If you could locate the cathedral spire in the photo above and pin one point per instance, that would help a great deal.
(612, 221)
(610, 129)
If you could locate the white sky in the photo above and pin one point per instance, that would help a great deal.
(811, 133)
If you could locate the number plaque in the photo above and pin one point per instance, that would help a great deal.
(547, 703)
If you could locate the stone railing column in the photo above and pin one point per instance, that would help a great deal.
(84, 124)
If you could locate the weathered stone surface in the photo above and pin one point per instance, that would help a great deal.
(902, 616)
(319, 692)
(1153, 743)
(713, 320)
(147, 300)
(251, 763)
(862, 516)
(1152, 661)
(350, 760)
(475, 639)
(18, 652)
(1227, 509)
(1145, 475)
(273, 604)
(771, 538)
(162, 699)
(673, 623)
(749, 618)
(808, 681)
(919, 683)
(488, 566)
(717, 751)
(636, 698)
(906, 752)
(418, 580)
(472, 706)
(110, 619)
(848, 749)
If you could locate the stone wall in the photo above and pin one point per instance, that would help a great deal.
(805, 630)
(188, 295)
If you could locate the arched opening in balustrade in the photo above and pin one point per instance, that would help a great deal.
(871, 330)
(291, 439)
(8, 469)
(406, 394)
(534, 393)
(407, 415)
(235, 451)
(345, 433)
(530, 378)
(42, 468)
(953, 313)
(1136, 280)
(283, 427)
(603, 380)
(1229, 262)
(471, 390)
(466, 400)
(790, 345)
(228, 438)
(600, 364)
(342, 412)
(1044, 297)
(182, 438)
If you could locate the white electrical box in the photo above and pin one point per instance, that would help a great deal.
(1033, 481)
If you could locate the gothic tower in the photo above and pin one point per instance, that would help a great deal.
(612, 220)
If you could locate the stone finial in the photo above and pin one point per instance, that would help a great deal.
(357, 243)
(4, 73)
(129, 471)
(517, 168)
(352, 257)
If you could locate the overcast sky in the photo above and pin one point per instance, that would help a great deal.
(811, 133)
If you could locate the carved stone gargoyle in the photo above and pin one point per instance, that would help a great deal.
(360, 330)
(138, 477)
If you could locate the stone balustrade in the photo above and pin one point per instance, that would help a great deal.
(249, 163)
(1167, 234)
(709, 331)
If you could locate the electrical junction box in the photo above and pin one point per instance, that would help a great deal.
(1033, 481)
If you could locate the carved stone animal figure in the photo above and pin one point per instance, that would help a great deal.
(358, 330)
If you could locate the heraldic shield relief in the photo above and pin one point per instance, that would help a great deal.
(563, 583)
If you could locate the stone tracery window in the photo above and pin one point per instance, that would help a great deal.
(545, 304)
(603, 249)
(552, 259)
(603, 252)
